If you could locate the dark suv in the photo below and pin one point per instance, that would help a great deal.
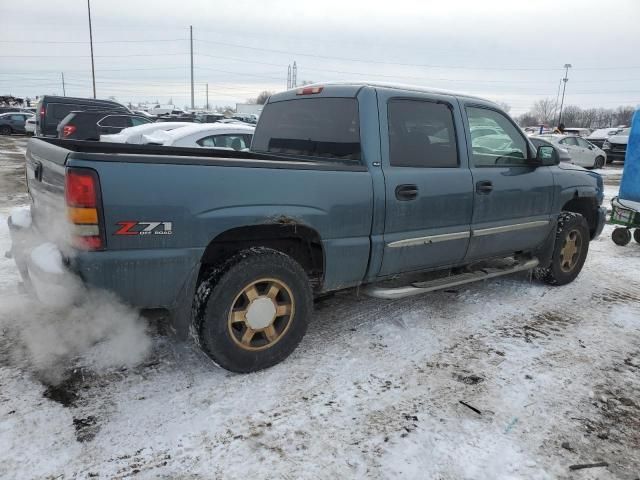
(91, 124)
(51, 111)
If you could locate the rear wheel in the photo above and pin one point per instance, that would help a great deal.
(252, 312)
(570, 250)
(599, 163)
(5, 130)
(621, 236)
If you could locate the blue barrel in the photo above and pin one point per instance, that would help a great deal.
(630, 183)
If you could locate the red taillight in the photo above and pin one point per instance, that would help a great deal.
(82, 194)
(80, 188)
(68, 130)
(309, 90)
(42, 113)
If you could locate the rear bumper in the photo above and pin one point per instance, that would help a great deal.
(615, 156)
(601, 220)
(158, 278)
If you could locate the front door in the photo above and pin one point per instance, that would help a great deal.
(428, 188)
(512, 199)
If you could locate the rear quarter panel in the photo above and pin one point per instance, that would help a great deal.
(203, 201)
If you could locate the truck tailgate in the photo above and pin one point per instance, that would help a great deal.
(45, 167)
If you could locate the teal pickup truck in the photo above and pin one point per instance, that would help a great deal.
(401, 190)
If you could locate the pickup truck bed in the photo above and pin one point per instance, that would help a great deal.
(347, 184)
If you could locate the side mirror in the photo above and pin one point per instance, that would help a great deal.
(547, 156)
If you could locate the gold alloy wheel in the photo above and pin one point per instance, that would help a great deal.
(261, 314)
(570, 252)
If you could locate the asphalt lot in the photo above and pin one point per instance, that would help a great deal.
(373, 391)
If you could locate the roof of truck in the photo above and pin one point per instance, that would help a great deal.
(399, 86)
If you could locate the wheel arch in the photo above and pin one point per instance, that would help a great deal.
(585, 206)
(299, 241)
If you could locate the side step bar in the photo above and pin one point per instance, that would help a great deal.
(451, 281)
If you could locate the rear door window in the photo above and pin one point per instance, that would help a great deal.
(570, 141)
(421, 134)
(310, 127)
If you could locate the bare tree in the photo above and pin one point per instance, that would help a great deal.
(544, 110)
(572, 116)
(622, 115)
(527, 120)
(262, 98)
(504, 106)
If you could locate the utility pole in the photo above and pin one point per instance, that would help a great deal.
(93, 70)
(289, 77)
(567, 66)
(294, 75)
(191, 37)
(555, 107)
(64, 93)
(207, 108)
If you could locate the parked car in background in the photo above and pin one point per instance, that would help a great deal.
(30, 125)
(142, 113)
(9, 109)
(582, 152)
(581, 132)
(185, 117)
(13, 122)
(616, 145)
(135, 135)
(208, 135)
(52, 110)
(91, 124)
(166, 110)
(563, 153)
(597, 137)
(209, 117)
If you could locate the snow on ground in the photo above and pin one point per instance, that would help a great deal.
(373, 391)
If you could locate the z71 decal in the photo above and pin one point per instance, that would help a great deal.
(144, 228)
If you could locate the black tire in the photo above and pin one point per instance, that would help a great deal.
(621, 236)
(599, 163)
(219, 332)
(566, 263)
(5, 130)
(636, 235)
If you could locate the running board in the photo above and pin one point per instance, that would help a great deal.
(417, 288)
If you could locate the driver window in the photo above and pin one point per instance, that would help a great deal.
(495, 140)
(582, 142)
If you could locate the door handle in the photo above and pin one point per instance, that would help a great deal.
(484, 187)
(406, 192)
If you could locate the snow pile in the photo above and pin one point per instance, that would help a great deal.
(21, 216)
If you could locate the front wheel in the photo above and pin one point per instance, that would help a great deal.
(636, 235)
(599, 163)
(570, 250)
(252, 312)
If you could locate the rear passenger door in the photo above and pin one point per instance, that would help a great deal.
(429, 193)
(512, 198)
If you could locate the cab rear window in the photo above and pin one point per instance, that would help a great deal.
(310, 127)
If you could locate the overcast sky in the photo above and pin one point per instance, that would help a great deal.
(510, 51)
